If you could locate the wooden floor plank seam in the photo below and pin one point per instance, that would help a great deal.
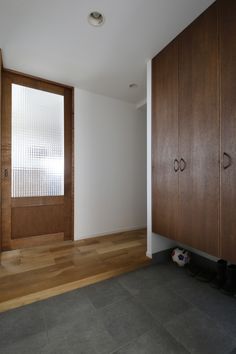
(33, 274)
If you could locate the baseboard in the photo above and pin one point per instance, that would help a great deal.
(162, 257)
(203, 262)
(116, 231)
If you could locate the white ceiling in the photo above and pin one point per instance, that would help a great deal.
(52, 39)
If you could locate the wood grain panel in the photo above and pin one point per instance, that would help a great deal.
(227, 11)
(36, 201)
(165, 141)
(34, 221)
(40, 240)
(199, 134)
(68, 168)
(33, 274)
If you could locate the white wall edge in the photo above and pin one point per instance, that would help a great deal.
(116, 231)
(141, 103)
(149, 255)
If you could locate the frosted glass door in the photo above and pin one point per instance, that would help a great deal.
(37, 143)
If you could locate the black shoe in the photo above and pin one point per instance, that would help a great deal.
(220, 278)
(205, 276)
(229, 287)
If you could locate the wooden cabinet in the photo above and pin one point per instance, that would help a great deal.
(194, 121)
(227, 20)
(186, 127)
(199, 134)
(165, 141)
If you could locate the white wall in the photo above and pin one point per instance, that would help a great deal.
(110, 165)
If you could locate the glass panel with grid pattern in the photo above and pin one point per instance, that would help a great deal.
(37, 143)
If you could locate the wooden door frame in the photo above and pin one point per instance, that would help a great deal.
(11, 76)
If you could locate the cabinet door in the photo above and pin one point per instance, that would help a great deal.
(199, 134)
(228, 128)
(165, 141)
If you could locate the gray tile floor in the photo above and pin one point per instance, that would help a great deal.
(156, 310)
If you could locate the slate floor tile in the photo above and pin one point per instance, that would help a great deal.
(162, 303)
(63, 347)
(56, 347)
(200, 334)
(170, 271)
(156, 341)
(140, 279)
(61, 312)
(106, 292)
(65, 304)
(26, 344)
(183, 281)
(89, 333)
(149, 277)
(220, 307)
(125, 320)
(21, 323)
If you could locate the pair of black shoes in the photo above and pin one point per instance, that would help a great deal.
(225, 279)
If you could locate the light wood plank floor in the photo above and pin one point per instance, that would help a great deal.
(32, 274)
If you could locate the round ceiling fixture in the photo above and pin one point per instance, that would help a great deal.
(95, 18)
(133, 85)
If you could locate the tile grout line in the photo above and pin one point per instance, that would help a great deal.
(204, 313)
(131, 341)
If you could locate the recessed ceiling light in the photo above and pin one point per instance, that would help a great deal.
(95, 18)
(133, 85)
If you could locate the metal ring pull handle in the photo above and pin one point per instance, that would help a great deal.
(182, 164)
(229, 161)
(176, 165)
(4, 173)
